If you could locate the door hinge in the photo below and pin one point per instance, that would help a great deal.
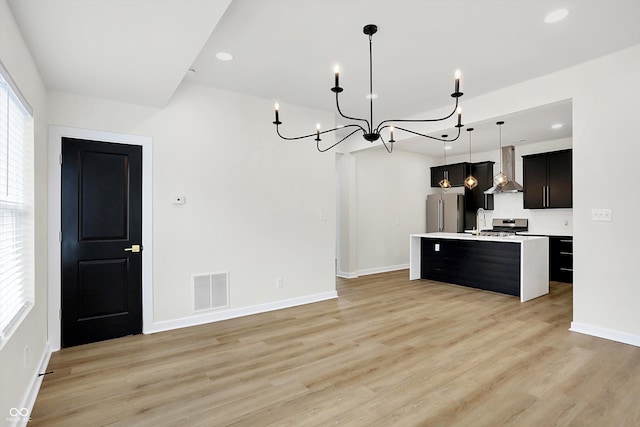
(60, 159)
(60, 236)
(60, 313)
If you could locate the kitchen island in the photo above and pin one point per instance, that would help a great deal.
(514, 265)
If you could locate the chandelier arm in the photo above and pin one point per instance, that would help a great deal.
(379, 128)
(430, 137)
(292, 138)
(320, 133)
(352, 118)
(329, 148)
(389, 150)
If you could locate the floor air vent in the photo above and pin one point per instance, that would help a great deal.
(210, 291)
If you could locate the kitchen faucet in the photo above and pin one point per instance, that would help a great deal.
(484, 220)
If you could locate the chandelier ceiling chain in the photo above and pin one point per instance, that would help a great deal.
(370, 133)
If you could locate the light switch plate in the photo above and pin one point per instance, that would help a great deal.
(601, 215)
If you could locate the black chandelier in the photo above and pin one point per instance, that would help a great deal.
(370, 133)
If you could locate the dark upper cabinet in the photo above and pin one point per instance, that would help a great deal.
(547, 180)
(475, 199)
(456, 174)
(483, 172)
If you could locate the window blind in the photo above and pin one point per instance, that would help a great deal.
(16, 207)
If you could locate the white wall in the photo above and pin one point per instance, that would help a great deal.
(21, 356)
(346, 232)
(257, 206)
(385, 204)
(606, 105)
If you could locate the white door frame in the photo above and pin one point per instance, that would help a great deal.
(56, 133)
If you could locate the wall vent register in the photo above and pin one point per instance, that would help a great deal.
(210, 291)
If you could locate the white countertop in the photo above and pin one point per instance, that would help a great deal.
(531, 233)
(466, 236)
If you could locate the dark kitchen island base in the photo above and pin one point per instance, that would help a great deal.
(492, 266)
(516, 265)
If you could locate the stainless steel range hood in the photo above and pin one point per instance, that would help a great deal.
(509, 169)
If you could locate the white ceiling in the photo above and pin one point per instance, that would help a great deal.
(134, 51)
(139, 51)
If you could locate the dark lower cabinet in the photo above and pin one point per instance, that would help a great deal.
(561, 258)
(492, 266)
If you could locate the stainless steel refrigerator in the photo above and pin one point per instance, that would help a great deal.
(445, 213)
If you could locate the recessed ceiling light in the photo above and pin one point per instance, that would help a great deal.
(556, 126)
(556, 16)
(372, 96)
(224, 56)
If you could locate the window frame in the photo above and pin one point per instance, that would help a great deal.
(17, 207)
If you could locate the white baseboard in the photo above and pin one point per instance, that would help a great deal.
(29, 398)
(236, 312)
(347, 275)
(609, 334)
(382, 269)
(368, 271)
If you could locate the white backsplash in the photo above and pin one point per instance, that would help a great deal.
(543, 221)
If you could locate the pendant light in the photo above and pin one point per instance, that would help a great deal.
(471, 182)
(444, 183)
(500, 179)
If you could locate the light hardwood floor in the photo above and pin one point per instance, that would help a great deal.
(388, 352)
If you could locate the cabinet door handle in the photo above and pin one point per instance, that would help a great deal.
(544, 196)
(548, 196)
(566, 269)
(566, 241)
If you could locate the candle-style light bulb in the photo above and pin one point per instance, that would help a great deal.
(457, 77)
(391, 132)
(277, 109)
(318, 132)
(336, 71)
(459, 111)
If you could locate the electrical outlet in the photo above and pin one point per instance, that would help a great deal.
(279, 282)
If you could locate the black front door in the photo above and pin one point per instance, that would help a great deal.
(101, 238)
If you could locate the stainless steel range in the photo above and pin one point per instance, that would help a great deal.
(504, 227)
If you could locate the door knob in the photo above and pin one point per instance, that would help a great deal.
(133, 248)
